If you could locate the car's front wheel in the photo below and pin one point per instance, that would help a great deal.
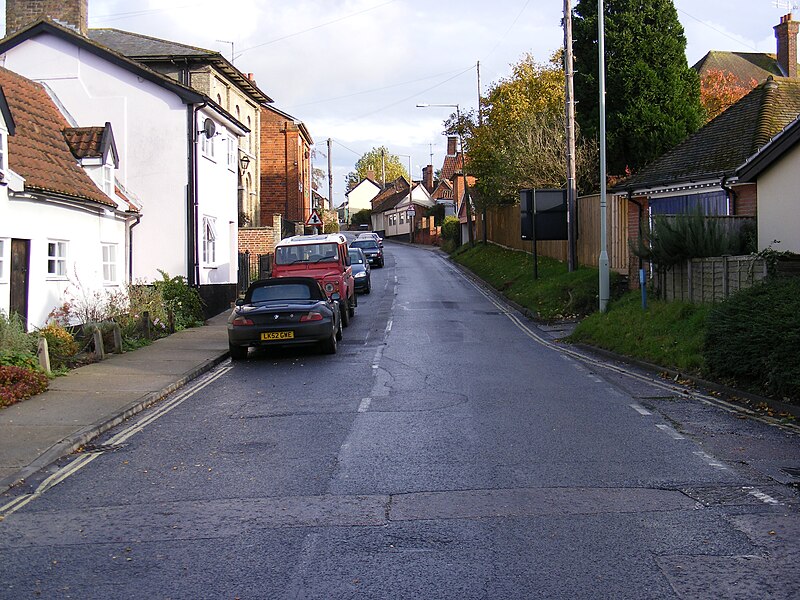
(238, 352)
(344, 308)
(351, 306)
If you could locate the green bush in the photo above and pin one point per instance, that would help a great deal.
(13, 337)
(183, 301)
(753, 338)
(17, 383)
(14, 358)
(361, 217)
(451, 230)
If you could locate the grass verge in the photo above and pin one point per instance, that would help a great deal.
(556, 294)
(670, 334)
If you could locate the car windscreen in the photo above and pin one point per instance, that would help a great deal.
(307, 253)
(372, 244)
(291, 291)
(356, 257)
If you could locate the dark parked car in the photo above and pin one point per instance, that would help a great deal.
(361, 270)
(371, 250)
(284, 312)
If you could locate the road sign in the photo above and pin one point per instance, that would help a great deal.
(411, 211)
(313, 219)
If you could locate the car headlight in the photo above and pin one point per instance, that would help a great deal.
(361, 275)
(329, 287)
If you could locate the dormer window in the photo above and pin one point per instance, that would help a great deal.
(108, 179)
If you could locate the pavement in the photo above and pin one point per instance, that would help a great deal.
(91, 399)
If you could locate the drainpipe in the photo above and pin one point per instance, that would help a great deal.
(130, 247)
(729, 193)
(192, 254)
(642, 278)
(286, 169)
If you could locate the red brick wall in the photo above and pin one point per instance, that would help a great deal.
(744, 204)
(21, 13)
(285, 169)
(258, 240)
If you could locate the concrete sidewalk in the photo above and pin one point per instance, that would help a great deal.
(81, 405)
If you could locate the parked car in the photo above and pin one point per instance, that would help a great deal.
(371, 235)
(323, 257)
(371, 250)
(361, 270)
(284, 312)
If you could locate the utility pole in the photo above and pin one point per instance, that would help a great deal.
(572, 258)
(480, 110)
(330, 177)
(602, 261)
(383, 169)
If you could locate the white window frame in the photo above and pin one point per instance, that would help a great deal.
(3, 139)
(109, 257)
(209, 240)
(233, 146)
(108, 179)
(207, 145)
(57, 259)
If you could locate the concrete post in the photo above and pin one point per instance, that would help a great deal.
(43, 352)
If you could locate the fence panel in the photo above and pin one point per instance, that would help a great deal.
(710, 279)
(503, 228)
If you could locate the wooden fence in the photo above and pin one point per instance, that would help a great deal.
(709, 279)
(503, 228)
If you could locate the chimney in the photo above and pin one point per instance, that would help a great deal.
(786, 34)
(371, 174)
(427, 177)
(452, 142)
(252, 78)
(70, 13)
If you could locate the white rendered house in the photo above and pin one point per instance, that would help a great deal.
(180, 153)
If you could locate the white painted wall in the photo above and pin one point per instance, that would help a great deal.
(779, 203)
(150, 127)
(360, 197)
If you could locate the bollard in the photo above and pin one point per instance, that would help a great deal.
(117, 338)
(146, 325)
(97, 337)
(43, 352)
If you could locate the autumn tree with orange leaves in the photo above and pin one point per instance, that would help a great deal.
(719, 89)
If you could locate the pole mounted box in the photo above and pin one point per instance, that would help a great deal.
(543, 214)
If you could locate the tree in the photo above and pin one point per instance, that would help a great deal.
(371, 161)
(521, 141)
(361, 217)
(718, 90)
(652, 96)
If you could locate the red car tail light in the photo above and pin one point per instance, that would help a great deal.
(240, 321)
(312, 316)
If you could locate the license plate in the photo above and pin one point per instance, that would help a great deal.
(277, 335)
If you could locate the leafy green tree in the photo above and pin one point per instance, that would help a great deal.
(362, 217)
(521, 140)
(652, 96)
(371, 161)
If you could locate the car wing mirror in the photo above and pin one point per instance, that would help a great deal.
(240, 302)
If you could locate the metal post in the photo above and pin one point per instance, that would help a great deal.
(572, 258)
(603, 260)
(330, 177)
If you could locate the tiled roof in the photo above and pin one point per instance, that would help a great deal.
(138, 45)
(452, 164)
(746, 66)
(391, 196)
(726, 142)
(38, 151)
(85, 142)
(151, 50)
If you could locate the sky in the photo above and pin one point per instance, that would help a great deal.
(354, 70)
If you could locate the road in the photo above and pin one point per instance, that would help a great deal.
(451, 449)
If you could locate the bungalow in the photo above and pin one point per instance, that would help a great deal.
(179, 147)
(65, 228)
(397, 212)
(703, 172)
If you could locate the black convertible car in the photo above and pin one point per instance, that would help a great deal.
(285, 311)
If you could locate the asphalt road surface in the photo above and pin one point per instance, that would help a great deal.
(451, 449)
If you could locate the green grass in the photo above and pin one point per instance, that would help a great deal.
(556, 294)
(669, 334)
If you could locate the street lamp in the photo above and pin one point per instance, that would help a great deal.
(463, 169)
(603, 258)
(410, 197)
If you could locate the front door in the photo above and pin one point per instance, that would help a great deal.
(20, 263)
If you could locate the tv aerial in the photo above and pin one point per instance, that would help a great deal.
(787, 4)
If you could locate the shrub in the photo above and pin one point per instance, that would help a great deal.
(61, 344)
(17, 383)
(13, 337)
(753, 338)
(361, 217)
(14, 358)
(183, 301)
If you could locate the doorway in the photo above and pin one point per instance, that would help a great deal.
(20, 268)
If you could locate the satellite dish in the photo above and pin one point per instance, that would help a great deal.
(209, 128)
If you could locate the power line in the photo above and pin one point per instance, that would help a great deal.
(510, 27)
(355, 14)
(737, 40)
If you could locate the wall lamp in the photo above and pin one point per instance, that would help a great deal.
(244, 162)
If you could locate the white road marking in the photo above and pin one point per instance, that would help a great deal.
(765, 498)
(364, 406)
(84, 459)
(710, 460)
(640, 409)
(389, 326)
(670, 432)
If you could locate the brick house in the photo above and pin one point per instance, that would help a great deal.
(285, 167)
